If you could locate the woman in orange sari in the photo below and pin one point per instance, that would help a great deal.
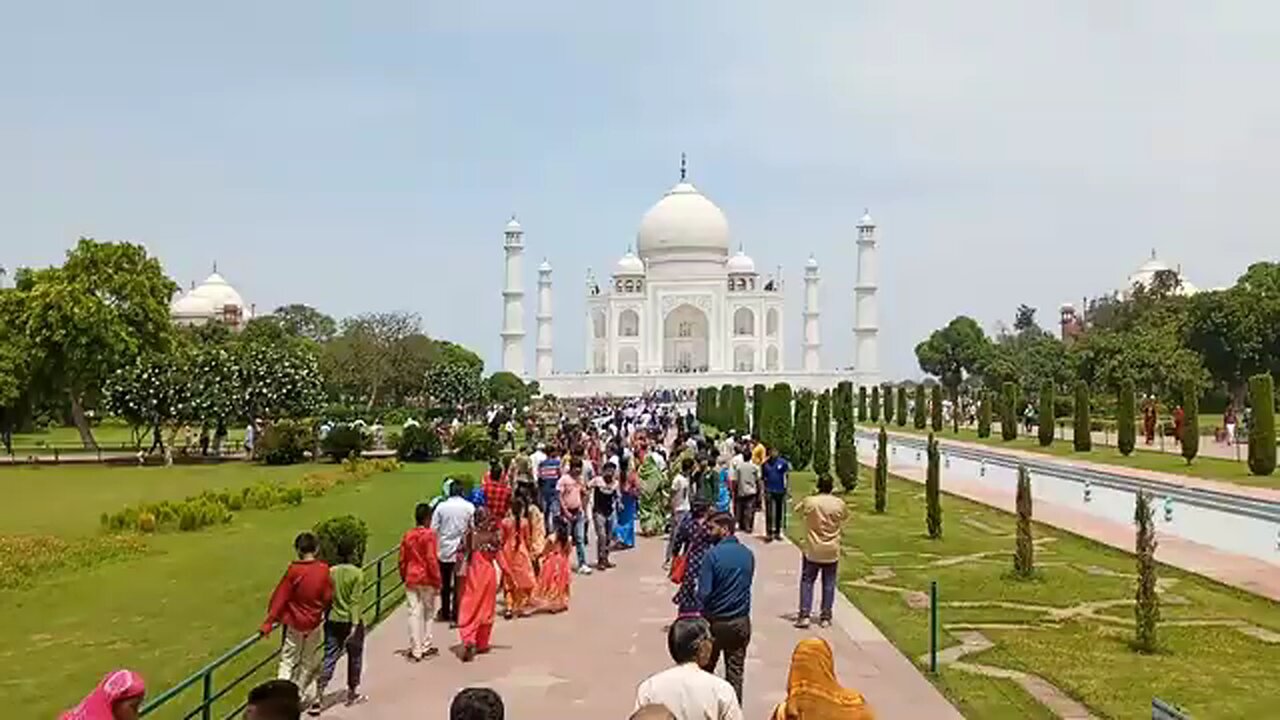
(518, 579)
(813, 693)
(479, 604)
(554, 577)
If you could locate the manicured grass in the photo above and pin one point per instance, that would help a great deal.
(109, 434)
(1213, 672)
(1209, 468)
(188, 599)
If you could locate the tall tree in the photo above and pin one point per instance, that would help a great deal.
(802, 425)
(306, 322)
(953, 351)
(822, 435)
(758, 395)
(888, 403)
(1190, 421)
(724, 408)
(984, 415)
(1046, 419)
(917, 412)
(1126, 430)
(862, 403)
(1009, 412)
(882, 470)
(1146, 606)
(1262, 426)
(1024, 552)
(875, 403)
(1082, 428)
(901, 410)
(935, 408)
(933, 490)
(784, 433)
(375, 342)
(739, 409)
(104, 307)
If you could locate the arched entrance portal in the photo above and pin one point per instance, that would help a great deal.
(686, 340)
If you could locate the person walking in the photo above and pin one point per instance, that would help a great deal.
(823, 515)
(1229, 423)
(775, 471)
(451, 521)
(687, 691)
(724, 595)
(813, 692)
(746, 482)
(420, 572)
(478, 606)
(549, 471)
(344, 628)
(298, 604)
(604, 494)
(570, 490)
(516, 562)
(680, 503)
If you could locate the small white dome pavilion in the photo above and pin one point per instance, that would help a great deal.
(212, 300)
(1146, 273)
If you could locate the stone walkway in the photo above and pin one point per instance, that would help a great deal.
(585, 664)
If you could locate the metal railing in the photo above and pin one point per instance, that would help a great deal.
(386, 596)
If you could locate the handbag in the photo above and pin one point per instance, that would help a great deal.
(678, 566)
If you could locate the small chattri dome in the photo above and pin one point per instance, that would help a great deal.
(629, 264)
(740, 264)
(866, 220)
(811, 263)
(545, 267)
(514, 226)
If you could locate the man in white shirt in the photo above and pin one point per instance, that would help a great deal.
(680, 503)
(451, 520)
(688, 691)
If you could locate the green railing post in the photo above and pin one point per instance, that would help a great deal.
(933, 626)
(206, 712)
(377, 592)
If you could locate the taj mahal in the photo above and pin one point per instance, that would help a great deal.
(681, 311)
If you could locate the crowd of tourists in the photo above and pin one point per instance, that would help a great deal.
(515, 542)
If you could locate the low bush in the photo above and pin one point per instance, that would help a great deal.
(418, 443)
(342, 539)
(472, 443)
(344, 441)
(286, 442)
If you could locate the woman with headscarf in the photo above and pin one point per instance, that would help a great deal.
(813, 693)
(691, 540)
(117, 697)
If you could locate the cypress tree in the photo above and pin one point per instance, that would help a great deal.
(802, 423)
(785, 433)
(724, 408)
(888, 404)
(862, 403)
(1083, 431)
(875, 403)
(1146, 607)
(758, 396)
(935, 408)
(955, 410)
(822, 435)
(1024, 549)
(882, 470)
(933, 491)
(1046, 414)
(842, 401)
(846, 454)
(701, 409)
(1191, 421)
(1009, 412)
(1126, 430)
(1262, 425)
(984, 414)
(917, 412)
(901, 411)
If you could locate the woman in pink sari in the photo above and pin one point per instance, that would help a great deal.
(516, 561)
(478, 608)
(117, 697)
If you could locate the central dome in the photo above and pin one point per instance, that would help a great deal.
(683, 223)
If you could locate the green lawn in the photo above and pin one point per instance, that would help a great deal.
(185, 600)
(1210, 468)
(1213, 671)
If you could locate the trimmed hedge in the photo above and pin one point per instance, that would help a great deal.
(738, 406)
(888, 404)
(875, 403)
(984, 414)
(1191, 421)
(862, 403)
(1045, 421)
(1262, 426)
(1009, 412)
(882, 470)
(933, 491)
(1082, 433)
(758, 396)
(917, 413)
(1126, 429)
(822, 435)
(901, 411)
(802, 426)
(935, 408)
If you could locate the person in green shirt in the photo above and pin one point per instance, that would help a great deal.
(344, 628)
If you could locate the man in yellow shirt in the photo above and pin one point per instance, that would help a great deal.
(823, 515)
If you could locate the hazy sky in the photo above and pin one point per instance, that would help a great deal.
(365, 156)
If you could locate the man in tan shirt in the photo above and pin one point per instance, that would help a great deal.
(823, 515)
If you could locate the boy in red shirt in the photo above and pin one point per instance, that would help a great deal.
(299, 604)
(420, 571)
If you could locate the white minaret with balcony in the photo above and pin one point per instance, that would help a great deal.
(812, 341)
(513, 300)
(542, 367)
(865, 325)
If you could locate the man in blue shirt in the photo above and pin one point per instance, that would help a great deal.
(775, 471)
(548, 496)
(724, 594)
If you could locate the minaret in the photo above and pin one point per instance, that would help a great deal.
(812, 343)
(865, 325)
(513, 301)
(543, 349)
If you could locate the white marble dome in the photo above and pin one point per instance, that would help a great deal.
(740, 264)
(1146, 274)
(629, 264)
(218, 292)
(683, 222)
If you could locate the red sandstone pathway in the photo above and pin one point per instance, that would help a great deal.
(585, 664)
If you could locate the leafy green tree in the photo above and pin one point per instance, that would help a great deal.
(279, 381)
(933, 490)
(901, 413)
(1236, 331)
(918, 411)
(455, 383)
(888, 404)
(875, 403)
(1009, 412)
(1126, 430)
(984, 415)
(1024, 551)
(1046, 418)
(802, 423)
(758, 395)
(1191, 421)
(935, 408)
(507, 389)
(216, 387)
(1146, 607)
(953, 351)
(1262, 426)
(107, 305)
(822, 435)
(306, 322)
(882, 470)
(151, 393)
(1082, 432)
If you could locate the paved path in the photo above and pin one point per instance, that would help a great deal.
(585, 664)
(1239, 571)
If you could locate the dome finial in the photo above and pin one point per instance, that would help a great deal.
(1153, 253)
(215, 266)
(684, 166)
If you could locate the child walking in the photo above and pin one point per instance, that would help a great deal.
(344, 628)
(420, 571)
(298, 604)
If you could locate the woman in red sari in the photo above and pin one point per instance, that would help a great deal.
(479, 604)
(516, 561)
(552, 591)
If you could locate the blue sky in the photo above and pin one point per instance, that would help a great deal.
(365, 156)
